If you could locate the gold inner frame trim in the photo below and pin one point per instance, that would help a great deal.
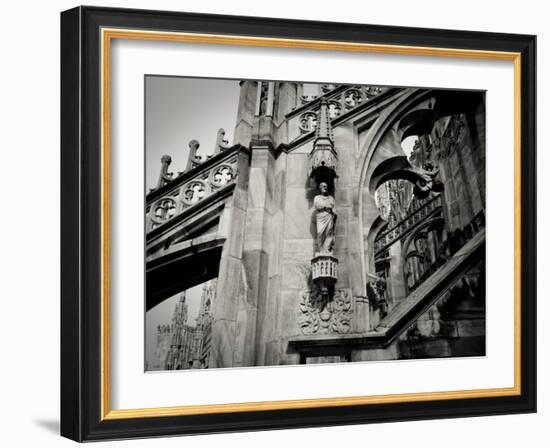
(107, 35)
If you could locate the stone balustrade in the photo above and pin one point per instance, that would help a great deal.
(341, 100)
(191, 188)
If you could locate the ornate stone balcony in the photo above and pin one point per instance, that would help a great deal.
(191, 187)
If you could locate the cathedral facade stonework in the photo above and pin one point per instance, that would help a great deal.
(330, 239)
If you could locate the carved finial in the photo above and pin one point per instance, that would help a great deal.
(324, 127)
(221, 143)
(165, 176)
(193, 160)
(323, 158)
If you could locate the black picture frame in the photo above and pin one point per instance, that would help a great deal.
(81, 208)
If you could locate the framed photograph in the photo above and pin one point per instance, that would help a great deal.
(276, 224)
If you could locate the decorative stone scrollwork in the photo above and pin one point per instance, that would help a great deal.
(164, 209)
(334, 109)
(372, 91)
(193, 186)
(194, 191)
(221, 176)
(352, 98)
(308, 121)
(321, 316)
(339, 103)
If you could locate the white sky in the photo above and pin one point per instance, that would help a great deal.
(408, 144)
(178, 110)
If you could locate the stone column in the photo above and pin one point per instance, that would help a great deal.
(450, 201)
(270, 97)
(299, 93)
(259, 251)
(288, 99)
(398, 289)
(231, 287)
(362, 315)
(470, 171)
(245, 113)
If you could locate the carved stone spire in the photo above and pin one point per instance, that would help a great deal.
(323, 158)
(323, 132)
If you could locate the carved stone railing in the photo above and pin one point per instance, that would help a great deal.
(453, 243)
(191, 188)
(406, 225)
(341, 100)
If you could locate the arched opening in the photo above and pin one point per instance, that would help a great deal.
(393, 198)
(181, 267)
(413, 153)
(408, 144)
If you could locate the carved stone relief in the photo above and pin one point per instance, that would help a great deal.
(319, 315)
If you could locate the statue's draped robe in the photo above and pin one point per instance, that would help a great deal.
(326, 221)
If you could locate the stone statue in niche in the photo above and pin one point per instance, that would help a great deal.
(325, 219)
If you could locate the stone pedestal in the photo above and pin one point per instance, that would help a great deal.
(324, 266)
(324, 273)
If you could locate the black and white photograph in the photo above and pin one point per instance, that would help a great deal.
(293, 223)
